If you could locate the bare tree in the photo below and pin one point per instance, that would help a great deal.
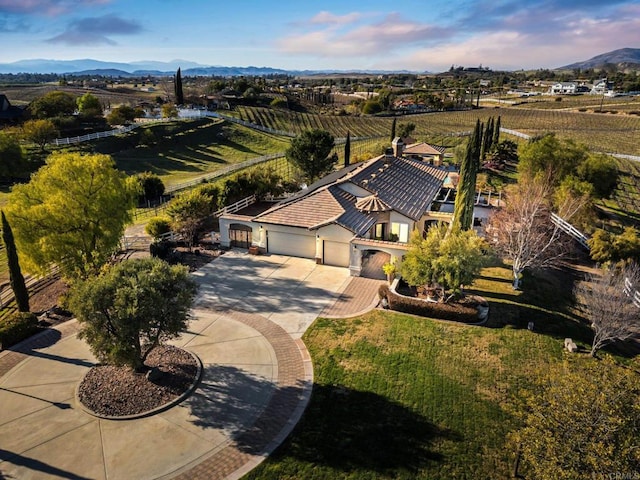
(523, 232)
(612, 304)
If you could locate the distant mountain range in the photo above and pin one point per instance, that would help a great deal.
(136, 69)
(622, 58)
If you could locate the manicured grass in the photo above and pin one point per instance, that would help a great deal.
(399, 396)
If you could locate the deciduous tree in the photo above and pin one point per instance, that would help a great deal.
(13, 162)
(600, 171)
(53, 104)
(608, 247)
(311, 153)
(16, 278)
(151, 185)
(122, 115)
(132, 308)
(522, 230)
(89, 106)
(188, 213)
(406, 130)
(72, 213)
(169, 111)
(610, 303)
(548, 155)
(39, 132)
(449, 258)
(581, 421)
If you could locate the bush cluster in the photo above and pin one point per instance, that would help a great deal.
(416, 306)
(16, 327)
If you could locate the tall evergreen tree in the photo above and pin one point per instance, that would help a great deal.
(393, 129)
(178, 88)
(465, 197)
(487, 138)
(496, 132)
(15, 274)
(347, 150)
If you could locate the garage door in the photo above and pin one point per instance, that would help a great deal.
(292, 244)
(336, 253)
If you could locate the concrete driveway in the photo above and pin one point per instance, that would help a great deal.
(256, 383)
(289, 291)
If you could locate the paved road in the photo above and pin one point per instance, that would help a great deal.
(250, 314)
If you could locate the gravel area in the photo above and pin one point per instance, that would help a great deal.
(118, 391)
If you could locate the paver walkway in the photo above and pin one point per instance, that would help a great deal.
(257, 381)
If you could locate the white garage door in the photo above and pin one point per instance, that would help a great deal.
(292, 244)
(336, 253)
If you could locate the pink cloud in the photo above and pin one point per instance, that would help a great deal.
(45, 7)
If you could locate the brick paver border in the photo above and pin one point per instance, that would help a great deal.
(288, 402)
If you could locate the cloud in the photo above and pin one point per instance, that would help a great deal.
(96, 30)
(344, 38)
(328, 18)
(496, 33)
(45, 7)
(579, 39)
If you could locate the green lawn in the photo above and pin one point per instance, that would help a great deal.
(399, 396)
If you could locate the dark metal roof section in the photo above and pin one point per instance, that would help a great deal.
(407, 186)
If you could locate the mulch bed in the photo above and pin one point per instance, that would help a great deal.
(118, 391)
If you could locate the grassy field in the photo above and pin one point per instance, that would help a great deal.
(404, 397)
(180, 151)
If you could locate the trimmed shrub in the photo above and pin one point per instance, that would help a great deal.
(16, 327)
(157, 226)
(161, 250)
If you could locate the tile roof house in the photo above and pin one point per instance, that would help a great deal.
(369, 206)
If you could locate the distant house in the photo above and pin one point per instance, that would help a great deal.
(567, 88)
(425, 152)
(9, 113)
(601, 87)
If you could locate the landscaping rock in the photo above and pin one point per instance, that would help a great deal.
(570, 345)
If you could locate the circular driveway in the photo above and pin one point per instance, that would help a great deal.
(248, 319)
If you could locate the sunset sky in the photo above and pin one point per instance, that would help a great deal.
(390, 35)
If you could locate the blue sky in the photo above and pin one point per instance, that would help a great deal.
(302, 34)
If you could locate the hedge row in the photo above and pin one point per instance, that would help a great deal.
(416, 306)
(16, 327)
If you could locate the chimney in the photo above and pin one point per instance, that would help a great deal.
(398, 147)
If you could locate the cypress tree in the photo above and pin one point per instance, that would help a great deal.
(393, 129)
(487, 138)
(178, 88)
(15, 274)
(347, 149)
(465, 197)
(496, 132)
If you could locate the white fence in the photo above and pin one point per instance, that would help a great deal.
(94, 136)
(234, 207)
(630, 292)
(569, 229)
(222, 172)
